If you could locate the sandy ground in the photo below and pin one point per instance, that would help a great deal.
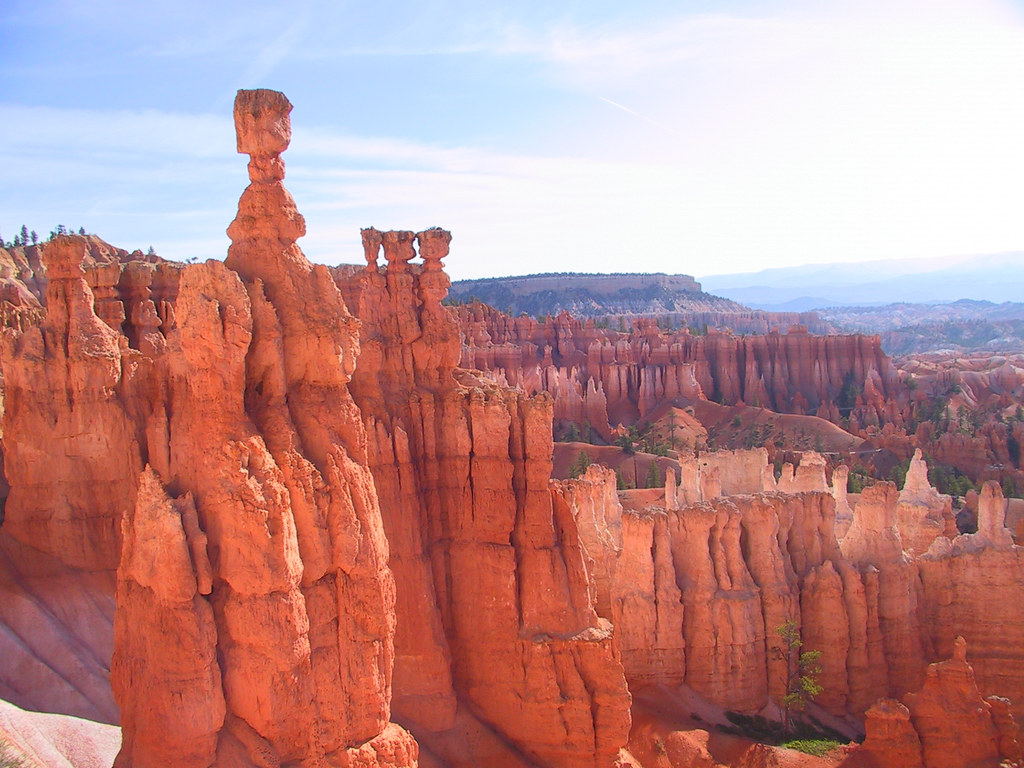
(57, 741)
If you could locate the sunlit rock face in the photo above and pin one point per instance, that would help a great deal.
(183, 440)
(313, 523)
(462, 469)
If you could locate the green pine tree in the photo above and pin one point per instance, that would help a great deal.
(653, 476)
(579, 465)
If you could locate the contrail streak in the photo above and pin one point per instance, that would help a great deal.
(637, 114)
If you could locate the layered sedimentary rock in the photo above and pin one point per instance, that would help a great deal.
(227, 451)
(946, 724)
(495, 615)
(266, 467)
(70, 453)
(962, 412)
(71, 460)
(586, 367)
(699, 590)
(701, 582)
(192, 428)
(874, 546)
(971, 587)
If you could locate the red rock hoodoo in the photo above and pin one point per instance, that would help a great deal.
(315, 524)
(495, 621)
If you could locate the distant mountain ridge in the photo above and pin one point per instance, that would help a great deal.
(676, 300)
(912, 328)
(995, 277)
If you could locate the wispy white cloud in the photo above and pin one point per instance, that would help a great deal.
(270, 56)
(849, 131)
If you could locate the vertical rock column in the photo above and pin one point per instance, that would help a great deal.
(288, 630)
(464, 470)
(69, 452)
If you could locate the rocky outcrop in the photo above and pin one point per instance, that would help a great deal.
(970, 588)
(699, 583)
(299, 613)
(699, 589)
(71, 458)
(891, 740)
(192, 428)
(946, 724)
(69, 449)
(923, 514)
(233, 452)
(874, 546)
(462, 468)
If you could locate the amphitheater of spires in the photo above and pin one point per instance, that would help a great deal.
(261, 512)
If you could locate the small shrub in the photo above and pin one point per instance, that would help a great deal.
(817, 747)
(579, 466)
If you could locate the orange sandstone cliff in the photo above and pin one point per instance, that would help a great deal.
(606, 376)
(214, 457)
(495, 615)
(315, 524)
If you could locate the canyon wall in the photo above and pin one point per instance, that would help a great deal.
(495, 615)
(611, 377)
(698, 581)
(313, 522)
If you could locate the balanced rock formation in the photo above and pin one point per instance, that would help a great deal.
(309, 516)
(191, 427)
(284, 592)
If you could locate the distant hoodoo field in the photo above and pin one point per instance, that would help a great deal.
(261, 512)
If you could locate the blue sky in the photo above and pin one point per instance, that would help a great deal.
(691, 137)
